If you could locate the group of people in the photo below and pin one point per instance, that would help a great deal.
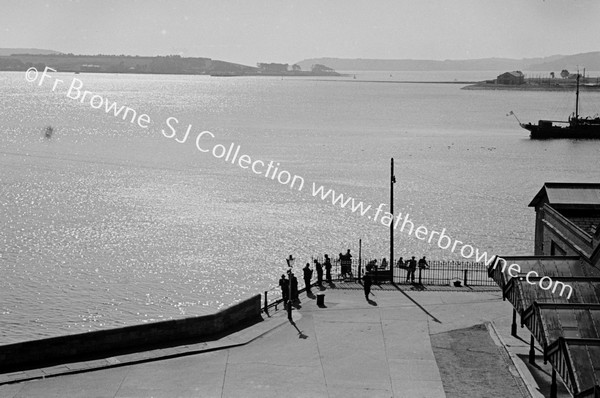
(346, 264)
(289, 285)
(411, 267)
(291, 292)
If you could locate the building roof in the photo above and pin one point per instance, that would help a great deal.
(560, 193)
(567, 328)
(515, 73)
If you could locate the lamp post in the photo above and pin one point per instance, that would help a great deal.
(392, 182)
(290, 262)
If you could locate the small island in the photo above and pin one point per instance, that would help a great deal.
(516, 80)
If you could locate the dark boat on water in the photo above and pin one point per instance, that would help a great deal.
(575, 127)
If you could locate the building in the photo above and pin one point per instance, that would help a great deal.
(567, 221)
(511, 78)
(566, 260)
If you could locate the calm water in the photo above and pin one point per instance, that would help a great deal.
(109, 224)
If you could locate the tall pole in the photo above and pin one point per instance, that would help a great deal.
(359, 257)
(577, 99)
(392, 181)
(290, 263)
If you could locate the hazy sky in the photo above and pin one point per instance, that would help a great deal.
(251, 31)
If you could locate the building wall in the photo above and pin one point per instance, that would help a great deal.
(586, 223)
(556, 245)
(555, 235)
(507, 78)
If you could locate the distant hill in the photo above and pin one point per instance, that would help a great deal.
(172, 64)
(10, 51)
(591, 61)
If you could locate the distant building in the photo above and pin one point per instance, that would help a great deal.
(90, 68)
(512, 78)
(272, 68)
(567, 221)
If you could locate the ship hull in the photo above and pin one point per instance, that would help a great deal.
(538, 132)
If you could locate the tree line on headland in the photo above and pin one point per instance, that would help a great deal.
(170, 64)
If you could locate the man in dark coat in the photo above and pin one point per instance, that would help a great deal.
(285, 288)
(307, 277)
(412, 266)
(327, 269)
(367, 285)
(319, 269)
(294, 283)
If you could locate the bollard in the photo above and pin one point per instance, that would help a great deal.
(321, 300)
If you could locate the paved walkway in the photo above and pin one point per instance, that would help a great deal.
(351, 348)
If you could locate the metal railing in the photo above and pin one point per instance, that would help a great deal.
(469, 273)
(439, 273)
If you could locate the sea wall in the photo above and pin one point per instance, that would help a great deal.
(105, 343)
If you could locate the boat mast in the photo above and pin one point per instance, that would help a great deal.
(577, 99)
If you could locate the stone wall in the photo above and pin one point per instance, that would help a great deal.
(106, 343)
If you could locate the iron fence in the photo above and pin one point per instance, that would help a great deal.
(439, 273)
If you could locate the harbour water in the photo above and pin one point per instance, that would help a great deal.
(108, 224)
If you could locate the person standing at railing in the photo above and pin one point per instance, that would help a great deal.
(307, 277)
(423, 263)
(412, 266)
(400, 263)
(346, 264)
(384, 263)
(319, 269)
(294, 284)
(285, 288)
(328, 269)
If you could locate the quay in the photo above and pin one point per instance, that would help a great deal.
(408, 341)
(453, 332)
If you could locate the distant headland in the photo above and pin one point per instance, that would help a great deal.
(22, 59)
(590, 60)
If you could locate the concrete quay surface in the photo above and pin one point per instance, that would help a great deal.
(402, 343)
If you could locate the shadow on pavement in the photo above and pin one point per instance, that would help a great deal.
(417, 304)
(300, 332)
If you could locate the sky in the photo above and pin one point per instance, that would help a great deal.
(251, 31)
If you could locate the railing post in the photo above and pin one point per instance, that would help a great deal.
(513, 327)
(266, 304)
(420, 269)
(465, 278)
(531, 351)
(553, 386)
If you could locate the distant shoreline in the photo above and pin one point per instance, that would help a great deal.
(530, 87)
